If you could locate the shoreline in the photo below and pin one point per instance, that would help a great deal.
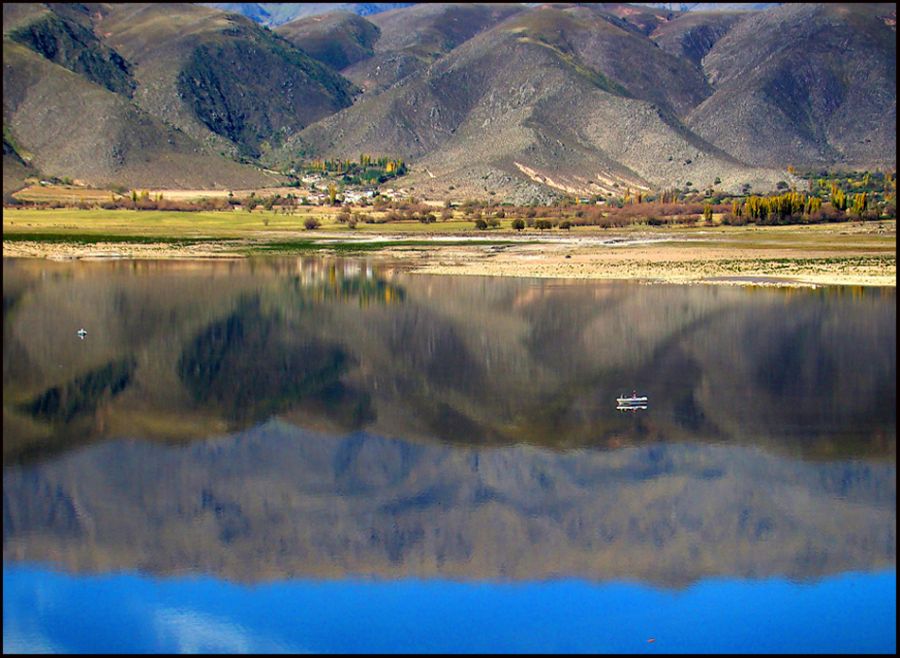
(857, 254)
(636, 261)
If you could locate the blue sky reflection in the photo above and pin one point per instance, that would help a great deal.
(45, 610)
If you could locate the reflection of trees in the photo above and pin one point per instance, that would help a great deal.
(338, 288)
(251, 366)
(82, 395)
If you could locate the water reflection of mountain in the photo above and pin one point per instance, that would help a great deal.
(330, 345)
(277, 502)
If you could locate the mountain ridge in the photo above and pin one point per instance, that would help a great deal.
(523, 101)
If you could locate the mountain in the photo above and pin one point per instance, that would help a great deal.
(278, 13)
(710, 6)
(73, 127)
(807, 84)
(174, 92)
(413, 38)
(16, 169)
(572, 98)
(338, 38)
(592, 99)
(523, 101)
(693, 35)
(221, 78)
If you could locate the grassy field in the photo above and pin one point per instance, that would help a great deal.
(223, 224)
(263, 225)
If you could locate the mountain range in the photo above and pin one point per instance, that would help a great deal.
(521, 101)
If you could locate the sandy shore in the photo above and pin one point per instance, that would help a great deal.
(733, 266)
(842, 257)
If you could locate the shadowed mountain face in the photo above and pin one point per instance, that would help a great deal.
(338, 39)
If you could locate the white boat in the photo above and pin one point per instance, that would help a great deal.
(632, 399)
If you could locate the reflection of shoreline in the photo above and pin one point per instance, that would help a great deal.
(338, 345)
(276, 502)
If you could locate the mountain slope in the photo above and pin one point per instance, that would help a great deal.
(692, 35)
(805, 85)
(412, 38)
(550, 96)
(81, 130)
(220, 77)
(16, 169)
(65, 36)
(338, 38)
(518, 100)
(189, 84)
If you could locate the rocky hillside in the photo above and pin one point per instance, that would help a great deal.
(74, 128)
(521, 101)
(812, 85)
(220, 77)
(337, 38)
(573, 100)
(592, 99)
(174, 93)
(415, 37)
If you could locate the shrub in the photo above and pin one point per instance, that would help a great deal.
(565, 224)
(542, 224)
(518, 224)
(343, 217)
(311, 223)
(730, 219)
(480, 224)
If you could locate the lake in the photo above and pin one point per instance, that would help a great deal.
(333, 455)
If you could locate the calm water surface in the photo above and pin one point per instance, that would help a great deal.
(312, 454)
